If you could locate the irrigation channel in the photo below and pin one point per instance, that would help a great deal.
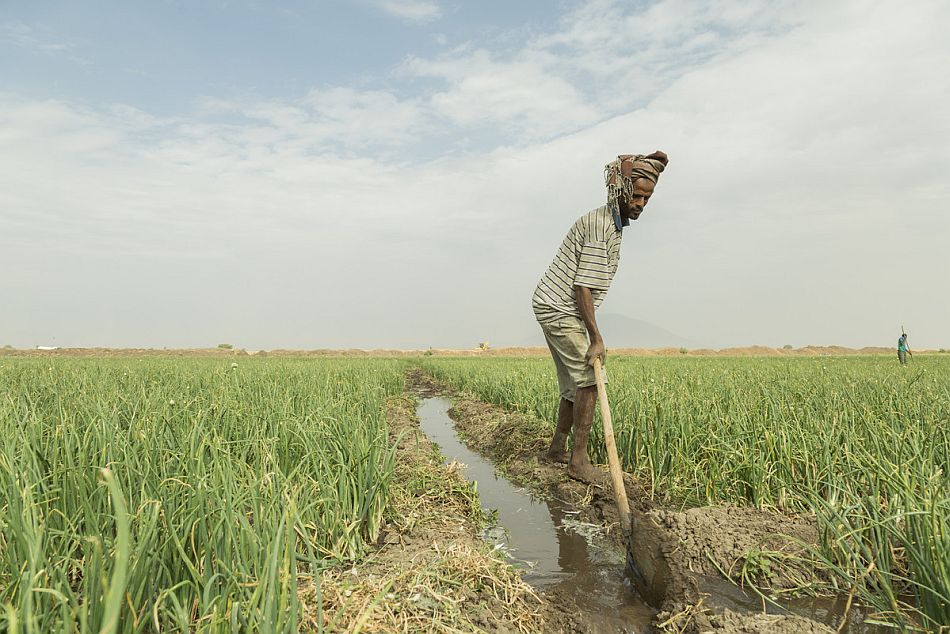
(564, 557)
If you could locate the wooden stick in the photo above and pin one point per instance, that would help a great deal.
(616, 474)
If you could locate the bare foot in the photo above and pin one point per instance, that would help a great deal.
(556, 456)
(587, 473)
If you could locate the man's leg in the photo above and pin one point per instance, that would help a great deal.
(557, 452)
(565, 420)
(580, 466)
(568, 342)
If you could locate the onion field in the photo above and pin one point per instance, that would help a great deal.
(202, 493)
(183, 494)
(860, 442)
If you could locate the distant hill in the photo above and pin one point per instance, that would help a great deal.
(621, 331)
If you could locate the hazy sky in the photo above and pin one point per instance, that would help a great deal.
(399, 173)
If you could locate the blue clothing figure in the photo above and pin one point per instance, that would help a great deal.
(903, 349)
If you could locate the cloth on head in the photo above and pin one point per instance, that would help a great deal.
(619, 176)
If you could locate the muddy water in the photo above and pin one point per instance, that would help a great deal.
(558, 553)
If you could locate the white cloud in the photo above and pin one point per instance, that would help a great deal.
(520, 96)
(602, 60)
(804, 203)
(39, 38)
(339, 118)
(416, 11)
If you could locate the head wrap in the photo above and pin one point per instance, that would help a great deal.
(620, 175)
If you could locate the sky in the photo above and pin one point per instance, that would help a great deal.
(399, 173)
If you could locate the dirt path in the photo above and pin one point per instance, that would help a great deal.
(694, 548)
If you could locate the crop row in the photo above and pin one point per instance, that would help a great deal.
(184, 494)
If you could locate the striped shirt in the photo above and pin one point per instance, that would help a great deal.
(588, 257)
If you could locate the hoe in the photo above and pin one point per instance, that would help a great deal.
(645, 563)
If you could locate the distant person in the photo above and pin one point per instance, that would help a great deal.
(903, 349)
(573, 287)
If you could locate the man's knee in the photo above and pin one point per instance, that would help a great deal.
(584, 401)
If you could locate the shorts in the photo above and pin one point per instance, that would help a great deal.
(568, 342)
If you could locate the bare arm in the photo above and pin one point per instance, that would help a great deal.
(585, 304)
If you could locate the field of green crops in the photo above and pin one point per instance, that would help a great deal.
(183, 494)
(860, 441)
(168, 494)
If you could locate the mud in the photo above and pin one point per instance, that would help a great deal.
(697, 549)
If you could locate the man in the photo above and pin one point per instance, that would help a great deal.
(903, 349)
(571, 290)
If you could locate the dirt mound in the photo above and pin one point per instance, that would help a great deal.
(876, 350)
(713, 540)
(734, 623)
(750, 351)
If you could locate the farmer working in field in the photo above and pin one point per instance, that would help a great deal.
(903, 349)
(571, 290)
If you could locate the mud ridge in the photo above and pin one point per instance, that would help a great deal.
(696, 548)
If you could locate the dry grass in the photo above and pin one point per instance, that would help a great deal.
(450, 587)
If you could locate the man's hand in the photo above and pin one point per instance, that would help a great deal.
(596, 351)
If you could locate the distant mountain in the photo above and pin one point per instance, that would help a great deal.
(625, 332)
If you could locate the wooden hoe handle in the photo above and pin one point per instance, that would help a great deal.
(616, 474)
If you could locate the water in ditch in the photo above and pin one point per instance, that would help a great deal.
(557, 552)
(562, 555)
